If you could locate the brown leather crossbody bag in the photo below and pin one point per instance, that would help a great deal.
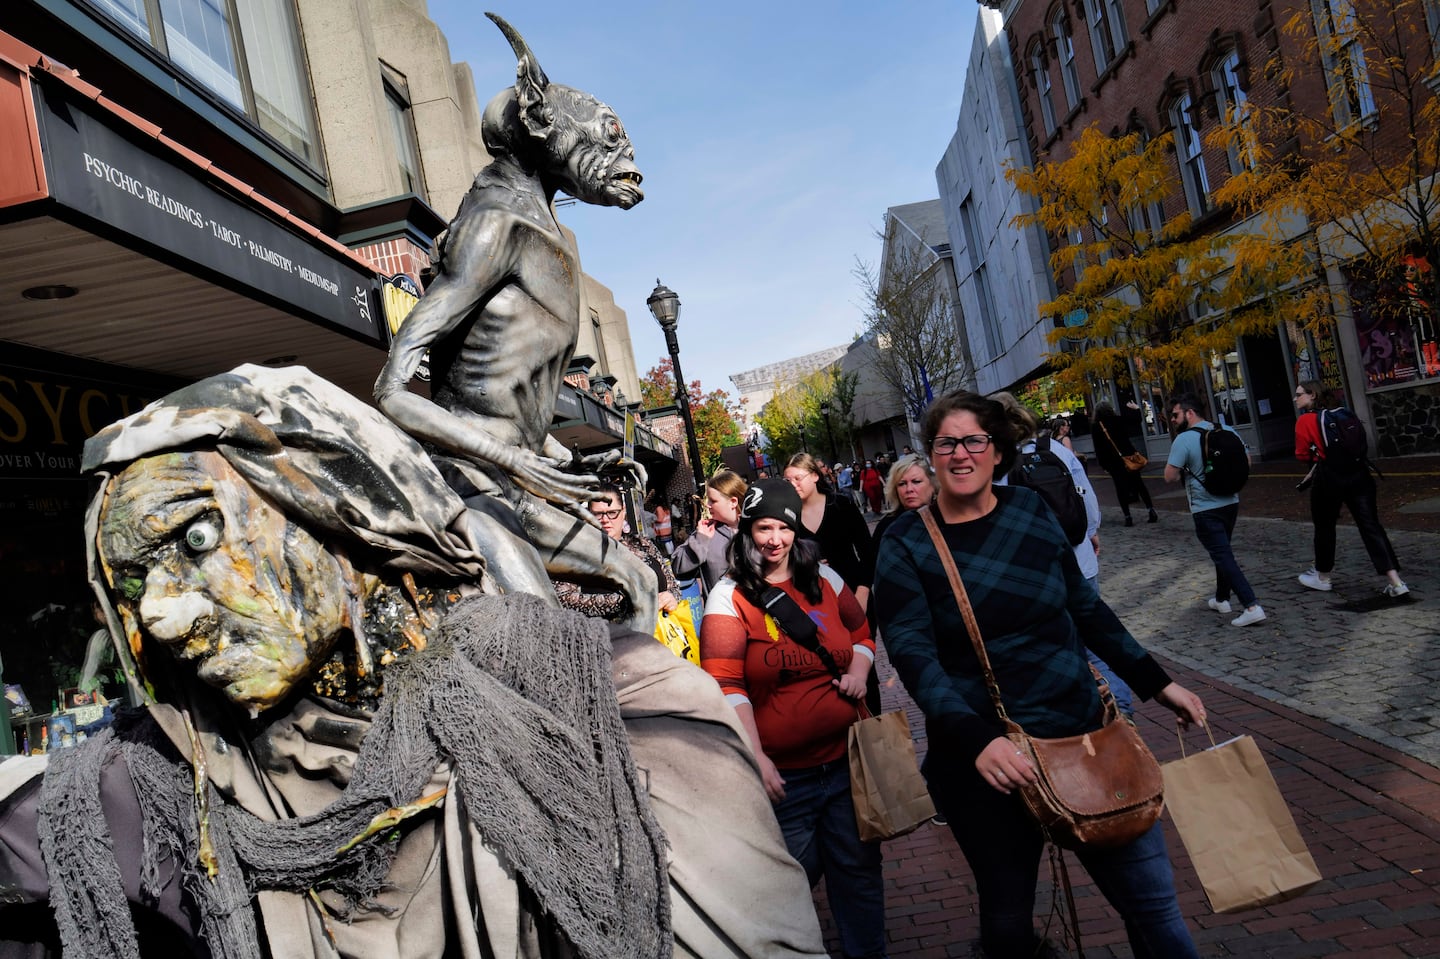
(1098, 789)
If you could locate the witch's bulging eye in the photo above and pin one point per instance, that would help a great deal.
(202, 535)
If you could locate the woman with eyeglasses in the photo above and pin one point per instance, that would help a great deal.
(608, 508)
(1036, 615)
(834, 523)
(1335, 481)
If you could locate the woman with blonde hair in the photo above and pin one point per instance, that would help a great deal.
(706, 550)
(910, 485)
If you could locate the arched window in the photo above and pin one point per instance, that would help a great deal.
(1040, 76)
(1065, 56)
(1146, 219)
(1106, 20)
(1233, 107)
(1190, 152)
(1343, 58)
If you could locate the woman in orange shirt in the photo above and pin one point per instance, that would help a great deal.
(788, 643)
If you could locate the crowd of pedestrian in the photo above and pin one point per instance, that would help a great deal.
(798, 591)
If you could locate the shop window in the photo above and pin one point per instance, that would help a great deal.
(1190, 152)
(1227, 384)
(1396, 322)
(1343, 59)
(247, 53)
(402, 126)
(1065, 56)
(1106, 21)
(1040, 74)
(1233, 107)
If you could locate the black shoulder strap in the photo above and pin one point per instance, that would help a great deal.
(792, 619)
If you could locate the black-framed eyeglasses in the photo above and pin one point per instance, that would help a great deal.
(1302, 392)
(974, 443)
(607, 513)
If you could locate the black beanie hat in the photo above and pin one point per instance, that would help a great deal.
(772, 499)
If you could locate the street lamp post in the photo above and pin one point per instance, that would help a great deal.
(664, 305)
(825, 412)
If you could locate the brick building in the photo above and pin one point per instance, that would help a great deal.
(1158, 66)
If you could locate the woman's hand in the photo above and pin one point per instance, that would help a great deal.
(770, 778)
(1003, 766)
(666, 601)
(705, 528)
(850, 686)
(1184, 704)
(1095, 542)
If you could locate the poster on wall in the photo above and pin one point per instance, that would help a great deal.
(1395, 322)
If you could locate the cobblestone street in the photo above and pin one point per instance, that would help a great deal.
(1339, 691)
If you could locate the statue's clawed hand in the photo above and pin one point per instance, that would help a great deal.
(598, 462)
(554, 482)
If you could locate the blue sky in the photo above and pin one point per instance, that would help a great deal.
(772, 137)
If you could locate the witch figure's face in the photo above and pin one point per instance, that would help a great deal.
(201, 562)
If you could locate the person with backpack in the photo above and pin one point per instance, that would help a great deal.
(1332, 439)
(1214, 465)
(1059, 477)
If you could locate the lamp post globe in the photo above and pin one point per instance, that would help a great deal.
(664, 305)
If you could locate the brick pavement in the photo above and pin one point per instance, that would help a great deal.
(1339, 692)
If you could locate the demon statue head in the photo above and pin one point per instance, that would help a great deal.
(576, 143)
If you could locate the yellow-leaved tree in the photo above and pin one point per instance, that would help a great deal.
(1166, 294)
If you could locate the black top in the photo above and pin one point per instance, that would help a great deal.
(845, 542)
(1120, 428)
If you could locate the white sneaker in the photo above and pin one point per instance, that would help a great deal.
(1221, 606)
(1394, 590)
(1252, 615)
(1312, 579)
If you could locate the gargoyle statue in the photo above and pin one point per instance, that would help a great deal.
(500, 322)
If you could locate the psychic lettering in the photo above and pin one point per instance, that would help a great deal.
(126, 182)
(44, 421)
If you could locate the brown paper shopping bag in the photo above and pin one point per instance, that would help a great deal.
(1237, 828)
(889, 793)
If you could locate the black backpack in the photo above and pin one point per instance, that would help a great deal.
(1343, 433)
(1047, 474)
(1227, 465)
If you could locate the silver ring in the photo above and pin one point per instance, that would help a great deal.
(1019, 753)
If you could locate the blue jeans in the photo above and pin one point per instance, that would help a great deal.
(1213, 527)
(1003, 846)
(817, 820)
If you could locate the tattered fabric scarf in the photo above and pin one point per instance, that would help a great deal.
(515, 695)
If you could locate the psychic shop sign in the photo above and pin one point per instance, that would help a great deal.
(96, 171)
(45, 418)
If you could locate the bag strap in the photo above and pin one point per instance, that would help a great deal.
(967, 612)
(801, 628)
(1113, 445)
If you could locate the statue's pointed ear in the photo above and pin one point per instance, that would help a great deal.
(530, 82)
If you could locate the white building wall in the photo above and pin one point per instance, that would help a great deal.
(989, 136)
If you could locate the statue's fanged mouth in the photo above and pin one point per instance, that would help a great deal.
(631, 176)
